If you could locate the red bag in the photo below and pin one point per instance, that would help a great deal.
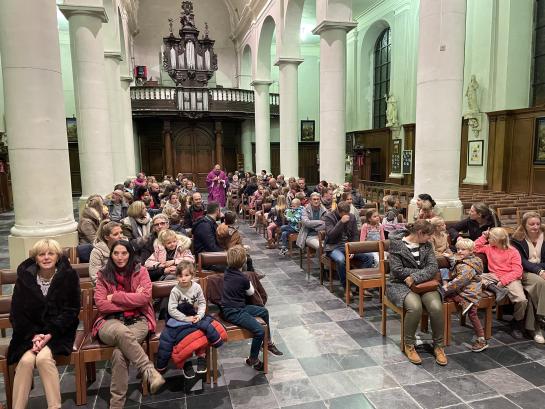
(193, 342)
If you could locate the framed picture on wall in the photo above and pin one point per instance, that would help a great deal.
(72, 129)
(307, 130)
(475, 153)
(539, 143)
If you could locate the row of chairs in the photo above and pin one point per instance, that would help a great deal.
(511, 217)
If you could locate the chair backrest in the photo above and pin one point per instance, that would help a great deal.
(162, 289)
(71, 253)
(211, 258)
(5, 309)
(357, 247)
(7, 277)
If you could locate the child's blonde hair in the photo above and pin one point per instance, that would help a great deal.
(436, 221)
(185, 265)
(465, 244)
(166, 235)
(389, 200)
(236, 257)
(500, 237)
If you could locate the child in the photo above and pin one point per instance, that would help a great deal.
(505, 273)
(186, 310)
(169, 250)
(424, 207)
(293, 219)
(276, 220)
(229, 236)
(465, 288)
(236, 287)
(439, 241)
(372, 230)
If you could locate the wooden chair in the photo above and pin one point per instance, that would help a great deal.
(211, 259)
(5, 323)
(7, 277)
(325, 260)
(508, 217)
(362, 277)
(84, 278)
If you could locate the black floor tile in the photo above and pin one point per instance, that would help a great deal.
(217, 400)
(532, 399)
(494, 403)
(505, 355)
(473, 362)
(532, 372)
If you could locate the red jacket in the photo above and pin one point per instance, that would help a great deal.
(122, 301)
(505, 264)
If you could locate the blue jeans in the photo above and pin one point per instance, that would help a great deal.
(286, 231)
(337, 255)
(244, 317)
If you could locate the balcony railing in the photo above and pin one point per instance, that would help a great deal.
(156, 100)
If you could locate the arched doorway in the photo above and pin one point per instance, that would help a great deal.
(194, 154)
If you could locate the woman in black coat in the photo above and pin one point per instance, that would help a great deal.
(44, 314)
(480, 219)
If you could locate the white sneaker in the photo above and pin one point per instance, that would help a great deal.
(538, 336)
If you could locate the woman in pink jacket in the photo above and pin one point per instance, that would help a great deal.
(505, 273)
(123, 300)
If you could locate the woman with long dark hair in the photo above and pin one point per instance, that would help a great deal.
(481, 218)
(123, 300)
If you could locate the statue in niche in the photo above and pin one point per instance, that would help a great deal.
(190, 55)
(391, 110)
(471, 95)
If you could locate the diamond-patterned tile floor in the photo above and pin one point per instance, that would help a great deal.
(334, 359)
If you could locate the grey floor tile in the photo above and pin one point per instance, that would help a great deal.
(469, 388)
(285, 371)
(494, 403)
(321, 364)
(335, 384)
(432, 395)
(532, 372)
(253, 397)
(372, 379)
(295, 392)
(532, 399)
(506, 356)
(473, 363)
(406, 373)
(392, 399)
(358, 401)
(504, 381)
(217, 400)
(354, 359)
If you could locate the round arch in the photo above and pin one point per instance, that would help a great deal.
(292, 27)
(246, 68)
(263, 62)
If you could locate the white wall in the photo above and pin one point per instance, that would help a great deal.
(153, 24)
(309, 86)
(2, 122)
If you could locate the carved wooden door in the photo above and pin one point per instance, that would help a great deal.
(195, 155)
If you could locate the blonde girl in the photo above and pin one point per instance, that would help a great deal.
(169, 250)
(276, 219)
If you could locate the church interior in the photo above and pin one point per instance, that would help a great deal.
(393, 99)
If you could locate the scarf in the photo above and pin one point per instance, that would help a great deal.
(123, 284)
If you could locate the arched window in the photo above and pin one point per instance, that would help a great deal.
(381, 78)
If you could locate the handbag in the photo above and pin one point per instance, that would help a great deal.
(427, 286)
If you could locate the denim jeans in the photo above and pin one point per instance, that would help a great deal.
(338, 256)
(244, 317)
(286, 231)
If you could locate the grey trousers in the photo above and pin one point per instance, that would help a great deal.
(434, 306)
(534, 285)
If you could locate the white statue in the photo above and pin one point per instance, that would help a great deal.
(391, 110)
(471, 94)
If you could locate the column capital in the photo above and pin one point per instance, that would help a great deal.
(126, 78)
(330, 25)
(260, 82)
(288, 60)
(116, 55)
(73, 10)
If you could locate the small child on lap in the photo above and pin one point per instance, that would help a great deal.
(236, 287)
(465, 287)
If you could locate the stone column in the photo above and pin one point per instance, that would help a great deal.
(36, 126)
(94, 136)
(439, 120)
(218, 131)
(111, 63)
(128, 132)
(167, 138)
(289, 116)
(247, 128)
(333, 98)
(262, 125)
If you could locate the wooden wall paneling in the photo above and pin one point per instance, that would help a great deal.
(410, 134)
(520, 155)
(75, 173)
(538, 179)
(377, 142)
(308, 166)
(496, 150)
(275, 159)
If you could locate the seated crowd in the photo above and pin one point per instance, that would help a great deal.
(146, 232)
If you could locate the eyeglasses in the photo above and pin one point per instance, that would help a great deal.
(160, 224)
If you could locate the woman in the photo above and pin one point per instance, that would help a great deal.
(92, 215)
(481, 218)
(108, 233)
(44, 313)
(347, 196)
(137, 225)
(425, 207)
(412, 261)
(233, 194)
(173, 202)
(125, 316)
(528, 240)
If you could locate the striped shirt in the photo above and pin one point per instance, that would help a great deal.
(414, 248)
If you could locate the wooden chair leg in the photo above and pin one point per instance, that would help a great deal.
(331, 276)
(360, 307)
(347, 292)
(383, 323)
(266, 350)
(447, 324)
(8, 385)
(321, 273)
(215, 364)
(301, 258)
(83, 383)
(91, 371)
(488, 323)
(308, 262)
(499, 312)
(208, 364)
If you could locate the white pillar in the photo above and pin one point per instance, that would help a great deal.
(289, 116)
(36, 126)
(128, 132)
(113, 91)
(439, 120)
(247, 130)
(94, 136)
(333, 99)
(262, 125)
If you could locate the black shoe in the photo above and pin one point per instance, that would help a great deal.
(256, 364)
(517, 330)
(501, 292)
(201, 365)
(189, 372)
(274, 350)
(541, 320)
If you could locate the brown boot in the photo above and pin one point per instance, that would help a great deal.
(271, 244)
(412, 355)
(440, 356)
(154, 379)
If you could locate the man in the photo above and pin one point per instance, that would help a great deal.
(327, 198)
(273, 185)
(196, 211)
(154, 191)
(357, 200)
(280, 181)
(341, 228)
(303, 187)
(311, 223)
(204, 234)
(216, 181)
(117, 206)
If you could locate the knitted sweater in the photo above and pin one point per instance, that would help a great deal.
(189, 300)
(505, 264)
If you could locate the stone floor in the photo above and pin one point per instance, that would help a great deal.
(333, 359)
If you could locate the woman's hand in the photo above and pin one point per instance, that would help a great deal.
(195, 319)
(170, 269)
(541, 273)
(409, 281)
(109, 297)
(39, 341)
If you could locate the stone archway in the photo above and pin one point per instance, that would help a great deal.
(194, 154)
